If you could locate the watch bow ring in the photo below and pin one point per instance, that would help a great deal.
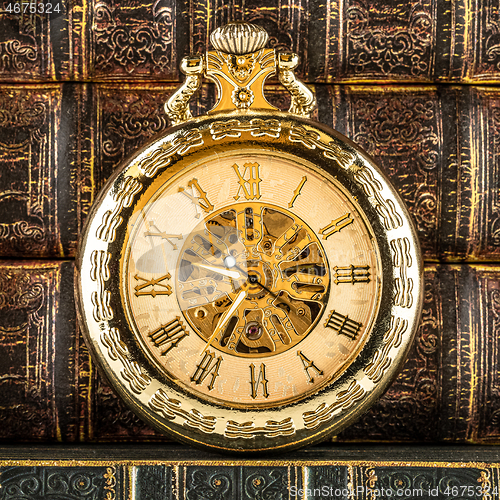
(249, 280)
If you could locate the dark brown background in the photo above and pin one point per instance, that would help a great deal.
(81, 90)
(338, 41)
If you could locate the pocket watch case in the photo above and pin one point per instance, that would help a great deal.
(248, 281)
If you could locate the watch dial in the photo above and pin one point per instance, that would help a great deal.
(250, 279)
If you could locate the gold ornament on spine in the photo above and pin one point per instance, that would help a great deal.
(239, 66)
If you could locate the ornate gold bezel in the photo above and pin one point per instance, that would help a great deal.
(201, 422)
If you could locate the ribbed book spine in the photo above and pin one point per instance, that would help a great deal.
(296, 478)
(419, 41)
(438, 145)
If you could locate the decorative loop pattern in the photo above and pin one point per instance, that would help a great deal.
(171, 408)
(386, 209)
(381, 359)
(402, 261)
(248, 430)
(311, 139)
(111, 220)
(137, 379)
(256, 127)
(100, 272)
(324, 412)
(161, 157)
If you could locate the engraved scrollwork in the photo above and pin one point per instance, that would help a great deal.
(26, 205)
(386, 208)
(381, 359)
(312, 140)
(491, 48)
(162, 156)
(23, 110)
(16, 56)
(324, 412)
(428, 337)
(20, 230)
(370, 484)
(132, 372)
(234, 128)
(386, 50)
(267, 485)
(204, 483)
(248, 430)
(485, 481)
(171, 408)
(425, 209)
(391, 125)
(19, 294)
(121, 42)
(493, 124)
(123, 196)
(495, 303)
(53, 482)
(402, 261)
(128, 118)
(99, 272)
(110, 483)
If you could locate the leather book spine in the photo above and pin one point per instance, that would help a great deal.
(438, 145)
(339, 42)
(326, 476)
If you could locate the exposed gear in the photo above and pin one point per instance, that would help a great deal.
(279, 264)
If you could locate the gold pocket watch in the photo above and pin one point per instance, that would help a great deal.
(248, 281)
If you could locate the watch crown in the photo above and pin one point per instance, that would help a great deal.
(239, 38)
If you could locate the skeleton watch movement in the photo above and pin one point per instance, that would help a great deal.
(248, 281)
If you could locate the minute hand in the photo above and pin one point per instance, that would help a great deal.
(226, 317)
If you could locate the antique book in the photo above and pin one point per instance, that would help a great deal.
(351, 41)
(447, 391)
(438, 145)
(177, 473)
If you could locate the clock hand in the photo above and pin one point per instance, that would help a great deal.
(221, 270)
(293, 309)
(226, 317)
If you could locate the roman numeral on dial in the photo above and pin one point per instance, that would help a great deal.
(309, 365)
(168, 336)
(256, 379)
(165, 289)
(209, 365)
(351, 274)
(200, 201)
(249, 181)
(297, 191)
(343, 325)
(336, 225)
(163, 235)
